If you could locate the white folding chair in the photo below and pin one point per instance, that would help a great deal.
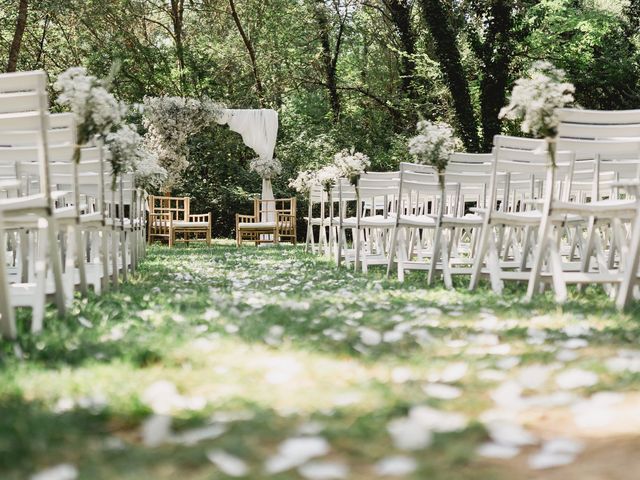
(24, 124)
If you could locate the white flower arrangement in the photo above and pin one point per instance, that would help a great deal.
(327, 176)
(170, 121)
(124, 145)
(96, 110)
(351, 164)
(267, 168)
(304, 182)
(148, 173)
(535, 99)
(433, 144)
(128, 154)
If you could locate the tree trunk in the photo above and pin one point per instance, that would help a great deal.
(496, 57)
(400, 13)
(446, 49)
(329, 59)
(177, 20)
(21, 24)
(252, 53)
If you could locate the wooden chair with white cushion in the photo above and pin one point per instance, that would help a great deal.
(184, 225)
(272, 221)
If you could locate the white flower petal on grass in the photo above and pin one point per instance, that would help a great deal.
(442, 391)
(161, 396)
(401, 375)
(295, 451)
(156, 430)
(438, 420)
(395, 466)
(370, 337)
(497, 450)
(544, 459)
(566, 355)
(510, 433)
(575, 343)
(407, 434)
(196, 435)
(64, 471)
(324, 470)
(563, 445)
(227, 463)
(454, 372)
(508, 395)
(392, 336)
(534, 377)
(576, 378)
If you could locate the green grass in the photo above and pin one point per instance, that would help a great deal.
(274, 334)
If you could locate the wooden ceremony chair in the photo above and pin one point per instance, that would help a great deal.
(183, 225)
(272, 221)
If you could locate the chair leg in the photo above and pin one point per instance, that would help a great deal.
(56, 265)
(7, 316)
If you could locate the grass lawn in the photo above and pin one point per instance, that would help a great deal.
(209, 359)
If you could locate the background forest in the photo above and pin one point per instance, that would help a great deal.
(341, 73)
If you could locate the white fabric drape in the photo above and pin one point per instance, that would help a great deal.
(259, 130)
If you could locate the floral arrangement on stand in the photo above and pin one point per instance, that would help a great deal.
(535, 99)
(170, 121)
(433, 145)
(267, 168)
(351, 164)
(96, 110)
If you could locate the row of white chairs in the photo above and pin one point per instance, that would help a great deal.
(506, 216)
(65, 226)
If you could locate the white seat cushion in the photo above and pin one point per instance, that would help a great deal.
(257, 225)
(184, 223)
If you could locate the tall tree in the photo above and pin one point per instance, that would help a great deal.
(330, 54)
(495, 54)
(16, 44)
(400, 16)
(447, 53)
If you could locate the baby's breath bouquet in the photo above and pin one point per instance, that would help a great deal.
(327, 176)
(267, 168)
(433, 145)
(95, 109)
(535, 100)
(351, 164)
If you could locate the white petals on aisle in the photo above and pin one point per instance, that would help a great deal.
(228, 464)
(64, 471)
(395, 466)
(326, 470)
(296, 451)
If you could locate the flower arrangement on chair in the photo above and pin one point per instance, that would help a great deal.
(96, 110)
(433, 145)
(351, 164)
(535, 99)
